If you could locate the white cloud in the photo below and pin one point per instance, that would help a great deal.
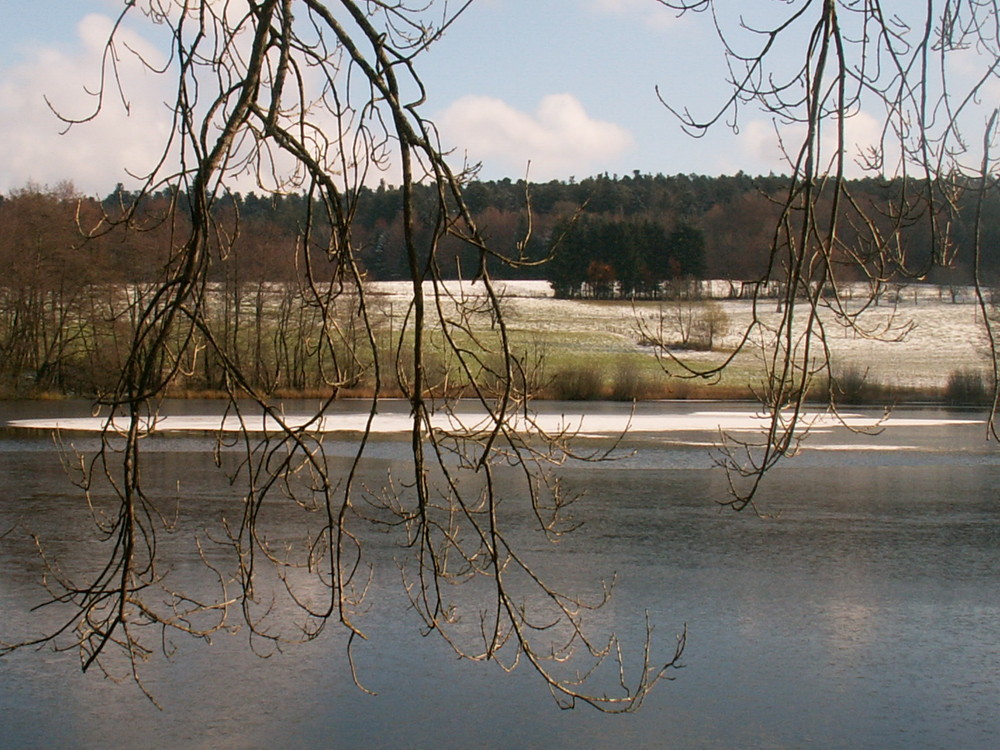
(762, 144)
(559, 138)
(650, 13)
(93, 155)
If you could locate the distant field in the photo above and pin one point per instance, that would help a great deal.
(920, 339)
(925, 344)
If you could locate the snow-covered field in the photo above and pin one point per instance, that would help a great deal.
(918, 341)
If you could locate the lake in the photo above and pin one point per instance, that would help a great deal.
(862, 611)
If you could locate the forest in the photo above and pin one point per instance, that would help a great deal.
(670, 226)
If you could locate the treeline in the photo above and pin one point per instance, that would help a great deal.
(637, 218)
(641, 218)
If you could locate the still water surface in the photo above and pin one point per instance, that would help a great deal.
(864, 613)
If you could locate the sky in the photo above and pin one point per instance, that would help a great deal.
(565, 86)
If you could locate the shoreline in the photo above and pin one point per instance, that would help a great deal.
(878, 396)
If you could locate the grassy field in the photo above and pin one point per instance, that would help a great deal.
(918, 344)
(925, 344)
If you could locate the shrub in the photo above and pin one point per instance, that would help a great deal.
(711, 323)
(629, 383)
(853, 385)
(578, 384)
(967, 388)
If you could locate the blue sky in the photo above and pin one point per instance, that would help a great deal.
(568, 85)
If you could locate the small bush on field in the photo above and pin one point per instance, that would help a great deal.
(711, 323)
(629, 382)
(967, 388)
(687, 324)
(850, 384)
(853, 385)
(580, 384)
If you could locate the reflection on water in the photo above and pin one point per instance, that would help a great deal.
(865, 612)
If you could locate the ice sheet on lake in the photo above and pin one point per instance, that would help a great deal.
(575, 423)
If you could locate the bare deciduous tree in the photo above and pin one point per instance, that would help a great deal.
(926, 75)
(317, 96)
